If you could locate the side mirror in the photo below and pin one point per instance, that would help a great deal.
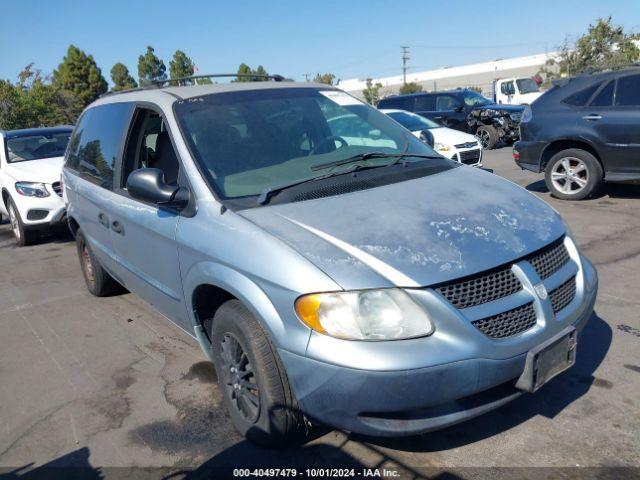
(427, 137)
(148, 185)
(458, 108)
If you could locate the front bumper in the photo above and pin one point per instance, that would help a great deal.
(37, 213)
(399, 402)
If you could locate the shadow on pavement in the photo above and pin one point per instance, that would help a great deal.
(611, 190)
(593, 344)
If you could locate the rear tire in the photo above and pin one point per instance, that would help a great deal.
(487, 135)
(573, 174)
(251, 378)
(22, 235)
(98, 281)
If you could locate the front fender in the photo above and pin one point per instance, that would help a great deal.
(277, 317)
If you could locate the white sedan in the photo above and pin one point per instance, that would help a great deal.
(459, 146)
(30, 166)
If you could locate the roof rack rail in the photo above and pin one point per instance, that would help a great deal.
(182, 81)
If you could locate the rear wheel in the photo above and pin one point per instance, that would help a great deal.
(22, 235)
(487, 135)
(252, 380)
(98, 281)
(573, 174)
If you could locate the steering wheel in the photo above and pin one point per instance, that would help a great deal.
(328, 140)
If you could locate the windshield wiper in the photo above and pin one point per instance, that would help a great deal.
(366, 156)
(266, 194)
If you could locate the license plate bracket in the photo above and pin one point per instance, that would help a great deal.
(549, 359)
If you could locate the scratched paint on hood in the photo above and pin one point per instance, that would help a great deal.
(423, 231)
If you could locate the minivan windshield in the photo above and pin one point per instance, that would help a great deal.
(413, 122)
(527, 85)
(474, 99)
(36, 147)
(249, 141)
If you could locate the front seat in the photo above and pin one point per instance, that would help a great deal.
(165, 159)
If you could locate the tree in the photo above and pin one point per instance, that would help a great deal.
(150, 68)
(121, 78)
(34, 102)
(248, 74)
(372, 92)
(327, 78)
(604, 46)
(79, 77)
(181, 65)
(411, 87)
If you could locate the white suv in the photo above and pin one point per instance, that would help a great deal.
(30, 167)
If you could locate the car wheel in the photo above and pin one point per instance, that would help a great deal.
(98, 281)
(487, 135)
(573, 174)
(253, 382)
(22, 235)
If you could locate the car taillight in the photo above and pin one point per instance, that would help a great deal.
(516, 154)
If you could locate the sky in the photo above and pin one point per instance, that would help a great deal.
(349, 38)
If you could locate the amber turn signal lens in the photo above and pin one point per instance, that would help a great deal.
(307, 309)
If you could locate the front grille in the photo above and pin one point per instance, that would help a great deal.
(469, 157)
(509, 323)
(481, 289)
(561, 296)
(467, 145)
(551, 259)
(57, 188)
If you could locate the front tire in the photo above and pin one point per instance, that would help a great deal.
(253, 382)
(487, 135)
(96, 278)
(22, 235)
(573, 174)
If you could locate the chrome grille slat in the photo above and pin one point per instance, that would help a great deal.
(562, 296)
(509, 323)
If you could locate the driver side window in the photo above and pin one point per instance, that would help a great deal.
(149, 146)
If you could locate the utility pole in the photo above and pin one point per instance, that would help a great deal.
(405, 58)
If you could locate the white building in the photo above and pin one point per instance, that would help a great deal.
(479, 75)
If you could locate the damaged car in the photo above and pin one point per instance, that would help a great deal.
(358, 280)
(465, 110)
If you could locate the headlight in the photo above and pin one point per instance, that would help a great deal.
(32, 189)
(441, 147)
(388, 314)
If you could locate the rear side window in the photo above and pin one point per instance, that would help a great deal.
(400, 103)
(604, 98)
(425, 103)
(96, 142)
(628, 92)
(580, 99)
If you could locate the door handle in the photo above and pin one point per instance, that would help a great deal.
(592, 116)
(117, 227)
(102, 218)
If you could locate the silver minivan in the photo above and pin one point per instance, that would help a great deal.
(339, 273)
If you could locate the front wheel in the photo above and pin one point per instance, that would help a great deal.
(253, 382)
(487, 135)
(23, 236)
(573, 174)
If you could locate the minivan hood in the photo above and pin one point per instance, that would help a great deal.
(45, 170)
(415, 233)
